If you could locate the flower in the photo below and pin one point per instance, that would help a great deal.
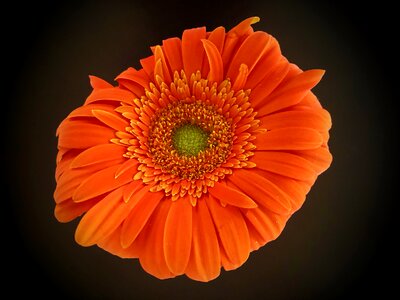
(198, 158)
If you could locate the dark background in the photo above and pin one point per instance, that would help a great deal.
(339, 243)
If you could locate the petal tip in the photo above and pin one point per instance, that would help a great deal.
(255, 20)
(319, 73)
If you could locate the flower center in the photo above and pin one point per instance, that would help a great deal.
(188, 134)
(189, 139)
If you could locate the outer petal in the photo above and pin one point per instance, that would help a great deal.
(85, 111)
(262, 191)
(215, 61)
(192, 49)
(98, 83)
(102, 219)
(69, 210)
(138, 77)
(318, 119)
(264, 87)
(205, 261)
(249, 53)
(173, 52)
(232, 231)
(292, 92)
(231, 196)
(110, 94)
(145, 203)
(285, 164)
(64, 159)
(289, 138)
(244, 27)
(320, 158)
(82, 135)
(267, 224)
(112, 244)
(100, 183)
(99, 154)
(295, 189)
(234, 38)
(178, 235)
(217, 37)
(266, 64)
(68, 182)
(152, 257)
(111, 119)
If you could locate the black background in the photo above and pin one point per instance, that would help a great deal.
(339, 243)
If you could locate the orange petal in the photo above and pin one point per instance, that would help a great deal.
(112, 244)
(68, 182)
(296, 190)
(215, 61)
(69, 210)
(99, 183)
(148, 65)
(289, 138)
(99, 154)
(129, 166)
(111, 119)
(131, 189)
(139, 77)
(249, 53)
(256, 240)
(101, 220)
(291, 93)
(131, 86)
(286, 164)
(294, 71)
(178, 235)
(262, 191)
(310, 100)
(64, 160)
(110, 94)
(63, 151)
(225, 262)
(217, 37)
(159, 56)
(205, 261)
(80, 135)
(241, 78)
(244, 26)
(232, 231)
(192, 49)
(85, 111)
(235, 37)
(267, 85)
(268, 224)
(231, 196)
(152, 256)
(98, 83)
(146, 202)
(318, 119)
(230, 45)
(320, 158)
(266, 64)
(172, 48)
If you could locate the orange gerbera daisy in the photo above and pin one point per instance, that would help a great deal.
(198, 158)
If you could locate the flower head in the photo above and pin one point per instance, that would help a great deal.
(198, 158)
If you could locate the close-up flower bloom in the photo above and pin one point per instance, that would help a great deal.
(196, 159)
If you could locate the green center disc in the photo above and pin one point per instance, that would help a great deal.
(189, 139)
